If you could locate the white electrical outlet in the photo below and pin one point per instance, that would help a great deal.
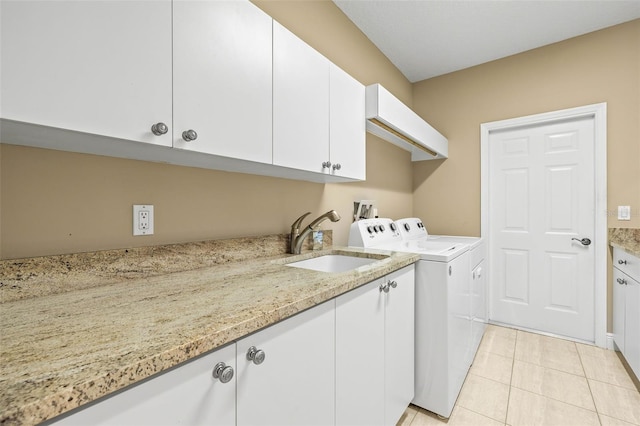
(143, 219)
(624, 212)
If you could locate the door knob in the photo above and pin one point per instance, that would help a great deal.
(583, 241)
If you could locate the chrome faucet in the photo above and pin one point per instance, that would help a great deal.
(297, 238)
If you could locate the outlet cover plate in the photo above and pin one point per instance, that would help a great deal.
(624, 212)
(142, 219)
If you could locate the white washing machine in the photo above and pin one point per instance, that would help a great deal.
(445, 304)
(455, 319)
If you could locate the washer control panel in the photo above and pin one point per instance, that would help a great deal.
(371, 233)
(411, 229)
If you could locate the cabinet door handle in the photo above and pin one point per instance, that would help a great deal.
(326, 164)
(621, 281)
(189, 135)
(256, 355)
(336, 166)
(622, 262)
(384, 287)
(223, 372)
(159, 129)
(393, 284)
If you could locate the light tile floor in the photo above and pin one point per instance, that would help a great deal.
(520, 378)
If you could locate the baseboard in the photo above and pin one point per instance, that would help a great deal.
(610, 342)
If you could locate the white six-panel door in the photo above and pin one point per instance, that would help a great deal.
(541, 181)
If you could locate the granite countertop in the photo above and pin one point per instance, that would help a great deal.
(627, 239)
(71, 344)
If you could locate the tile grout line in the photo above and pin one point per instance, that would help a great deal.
(513, 366)
(588, 385)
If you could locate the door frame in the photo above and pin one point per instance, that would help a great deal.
(598, 112)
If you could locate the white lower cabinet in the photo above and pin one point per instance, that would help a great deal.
(294, 383)
(375, 351)
(187, 395)
(346, 361)
(626, 307)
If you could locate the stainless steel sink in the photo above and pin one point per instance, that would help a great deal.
(333, 263)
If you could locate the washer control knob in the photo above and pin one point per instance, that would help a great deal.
(370, 229)
(393, 226)
(407, 227)
(381, 228)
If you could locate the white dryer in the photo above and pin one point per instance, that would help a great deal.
(444, 347)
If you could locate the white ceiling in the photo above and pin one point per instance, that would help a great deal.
(427, 38)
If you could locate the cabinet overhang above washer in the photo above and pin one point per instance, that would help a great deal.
(393, 121)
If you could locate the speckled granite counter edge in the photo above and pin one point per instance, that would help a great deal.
(627, 239)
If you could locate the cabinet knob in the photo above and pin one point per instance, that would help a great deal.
(326, 164)
(189, 135)
(621, 281)
(223, 372)
(393, 284)
(337, 166)
(159, 129)
(256, 355)
(384, 287)
(622, 262)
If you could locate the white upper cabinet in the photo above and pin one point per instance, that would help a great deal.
(347, 125)
(300, 103)
(222, 78)
(97, 67)
(318, 111)
(219, 82)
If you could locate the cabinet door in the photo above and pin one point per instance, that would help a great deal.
(294, 385)
(347, 125)
(632, 325)
(101, 67)
(399, 344)
(186, 395)
(300, 103)
(222, 78)
(478, 306)
(619, 302)
(360, 356)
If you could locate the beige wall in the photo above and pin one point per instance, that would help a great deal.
(55, 202)
(599, 67)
